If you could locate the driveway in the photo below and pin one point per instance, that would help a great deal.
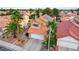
(33, 45)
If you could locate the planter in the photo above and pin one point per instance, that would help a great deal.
(44, 46)
(52, 49)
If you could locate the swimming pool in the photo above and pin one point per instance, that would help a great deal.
(2, 48)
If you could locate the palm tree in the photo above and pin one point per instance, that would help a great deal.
(51, 34)
(51, 37)
(14, 26)
(11, 29)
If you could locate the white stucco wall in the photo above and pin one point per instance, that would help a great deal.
(37, 36)
(68, 42)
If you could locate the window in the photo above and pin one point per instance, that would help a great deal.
(35, 25)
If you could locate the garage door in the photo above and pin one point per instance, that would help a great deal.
(68, 42)
(39, 37)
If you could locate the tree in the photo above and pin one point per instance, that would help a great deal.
(77, 11)
(47, 11)
(32, 16)
(55, 12)
(11, 29)
(14, 26)
(51, 38)
(31, 10)
(36, 13)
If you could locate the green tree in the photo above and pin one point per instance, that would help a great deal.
(51, 38)
(36, 13)
(14, 27)
(47, 11)
(55, 12)
(77, 9)
(32, 16)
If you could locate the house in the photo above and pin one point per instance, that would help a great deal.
(64, 18)
(62, 13)
(68, 16)
(68, 36)
(38, 29)
(44, 19)
(4, 20)
(26, 19)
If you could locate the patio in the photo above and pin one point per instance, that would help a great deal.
(21, 41)
(18, 42)
(24, 43)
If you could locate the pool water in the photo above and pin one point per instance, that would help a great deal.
(2, 48)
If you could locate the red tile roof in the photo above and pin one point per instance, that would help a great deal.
(25, 13)
(43, 19)
(65, 18)
(4, 20)
(67, 28)
(41, 30)
(38, 20)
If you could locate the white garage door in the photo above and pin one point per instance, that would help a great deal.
(39, 37)
(68, 42)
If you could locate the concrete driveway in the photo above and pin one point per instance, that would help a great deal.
(33, 45)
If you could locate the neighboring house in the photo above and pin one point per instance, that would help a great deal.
(44, 19)
(71, 15)
(68, 16)
(3, 12)
(68, 36)
(26, 19)
(38, 29)
(4, 20)
(62, 13)
(64, 18)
